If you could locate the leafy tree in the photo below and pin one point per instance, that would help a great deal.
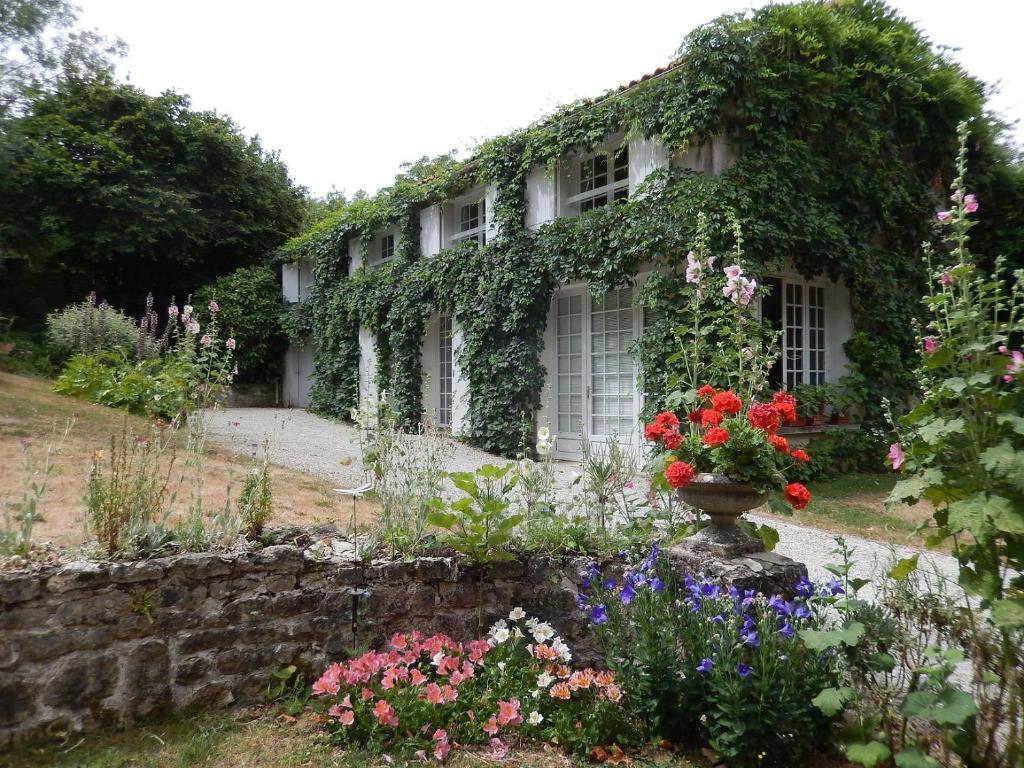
(105, 187)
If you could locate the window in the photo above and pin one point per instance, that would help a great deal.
(445, 378)
(387, 248)
(604, 178)
(797, 309)
(472, 223)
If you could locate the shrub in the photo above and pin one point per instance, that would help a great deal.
(727, 667)
(250, 311)
(256, 501)
(424, 694)
(88, 328)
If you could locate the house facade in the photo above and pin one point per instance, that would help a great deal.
(591, 387)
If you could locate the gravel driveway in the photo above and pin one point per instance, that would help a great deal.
(330, 450)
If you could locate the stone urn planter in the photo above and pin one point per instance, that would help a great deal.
(723, 500)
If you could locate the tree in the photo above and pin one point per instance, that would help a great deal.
(38, 45)
(103, 187)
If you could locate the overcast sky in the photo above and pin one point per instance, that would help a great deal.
(347, 91)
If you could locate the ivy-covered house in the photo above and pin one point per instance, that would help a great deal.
(534, 283)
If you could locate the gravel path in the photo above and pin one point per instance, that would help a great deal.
(330, 450)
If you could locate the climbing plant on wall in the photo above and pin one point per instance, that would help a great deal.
(841, 116)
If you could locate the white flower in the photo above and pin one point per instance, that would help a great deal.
(517, 633)
(544, 680)
(531, 622)
(543, 434)
(535, 718)
(500, 636)
(543, 632)
(516, 614)
(501, 666)
(436, 660)
(561, 649)
(187, 310)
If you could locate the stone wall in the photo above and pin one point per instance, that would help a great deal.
(89, 643)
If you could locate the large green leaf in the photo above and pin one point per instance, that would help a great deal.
(948, 707)
(1005, 461)
(867, 754)
(914, 758)
(832, 700)
(903, 568)
(823, 639)
(912, 488)
(1008, 612)
(973, 514)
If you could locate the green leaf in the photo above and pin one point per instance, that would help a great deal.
(1014, 422)
(768, 536)
(972, 514)
(441, 519)
(867, 754)
(823, 639)
(1009, 612)
(1005, 461)
(903, 568)
(832, 700)
(949, 707)
(911, 489)
(914, 758)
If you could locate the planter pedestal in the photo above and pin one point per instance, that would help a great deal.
(726, 552)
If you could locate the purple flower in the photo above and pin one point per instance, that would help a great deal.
(804, 587)
(581, 602)
(836, 587)
(206, 340)
(802, 613)
(705, 665)
(657, 585)
(743, 670)
(718, 619)
(780, 606)
(608, 584)
(598, 615)
(708, 589)
(750, 639)
(213, 306)
(786, 630)
(627, 594)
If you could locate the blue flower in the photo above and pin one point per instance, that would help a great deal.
(709, 589)
(836, 587)
(780, 606)
(694, 604)
(719, 619)
(804, 587)
(801, 612)
(585, 581)
(734, 592)
(608, 584)
(743, 670)
(786, 630)
(750, 638)
(581, 602)
(657, 585)
(748, 625)
(627, 594)
(598, 615)
(705, 665)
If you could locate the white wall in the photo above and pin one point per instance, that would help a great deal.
(541, 196)
(367, 365)
(493, 226)
(838, 329)
(460, 384)
(713, 158)
(355, 255)
(290, 282)
(430, 230)
(645, 157)
(431, 366)
(298, 373)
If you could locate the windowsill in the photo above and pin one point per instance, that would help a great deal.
(816, 429)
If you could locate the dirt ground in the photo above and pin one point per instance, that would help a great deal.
(32, 416)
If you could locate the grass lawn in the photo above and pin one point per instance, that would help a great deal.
(247, 739)
(855, 504)
(30, 412)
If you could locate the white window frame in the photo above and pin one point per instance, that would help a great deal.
(446, 371)
(808, 372)
(381, 258)
(610, 188)
(479, 232)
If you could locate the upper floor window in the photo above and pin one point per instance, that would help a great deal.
(472, 223)
(387, 248)
(603, 178)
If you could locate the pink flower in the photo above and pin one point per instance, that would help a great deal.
(970, 203)
(693, 270)
(213, 307)
(944, 216)
(1016, 365)
(929, 344)
(946, 278)
(421, 755)
(206, 340)
(443, 747)
(733, 272)
(508, 712)
(348, 717)
(491, 726)
(497, 749)
(172, 311)
(192, 326)
(711, 262)
(895, 456)
(230, 344)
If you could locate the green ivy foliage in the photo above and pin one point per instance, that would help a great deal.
(842, 118)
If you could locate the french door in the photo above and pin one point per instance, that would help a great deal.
(595, 381)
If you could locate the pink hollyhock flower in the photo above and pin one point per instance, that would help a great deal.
(946, 278)
(711, 262)
(733, 272)
(895, 456)
(929, 344)
(206, 340)
(944, 216)
(213, 306)
(1016, 365)
(693, 269)
(970, 203)
(230, 344)
(172, 311)
(192, 327)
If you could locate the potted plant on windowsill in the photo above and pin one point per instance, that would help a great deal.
(810, 403)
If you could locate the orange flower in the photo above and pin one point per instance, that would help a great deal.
(545, 652)
(563, 671)
(580, 680)
(613, 693)
(604, 678)
(560, 691)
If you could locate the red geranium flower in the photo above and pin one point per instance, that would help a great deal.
(800, 455)
(694, 416)
(666, 420)
(764, 416)
(653, 432)
(785, 404)
(780, 443)
(797, 495)
(715, 436)
(709, 417)
(678, 474)
(672, 439)
(706, 391)
(726, 402)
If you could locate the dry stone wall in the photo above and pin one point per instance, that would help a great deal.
(92, 643)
